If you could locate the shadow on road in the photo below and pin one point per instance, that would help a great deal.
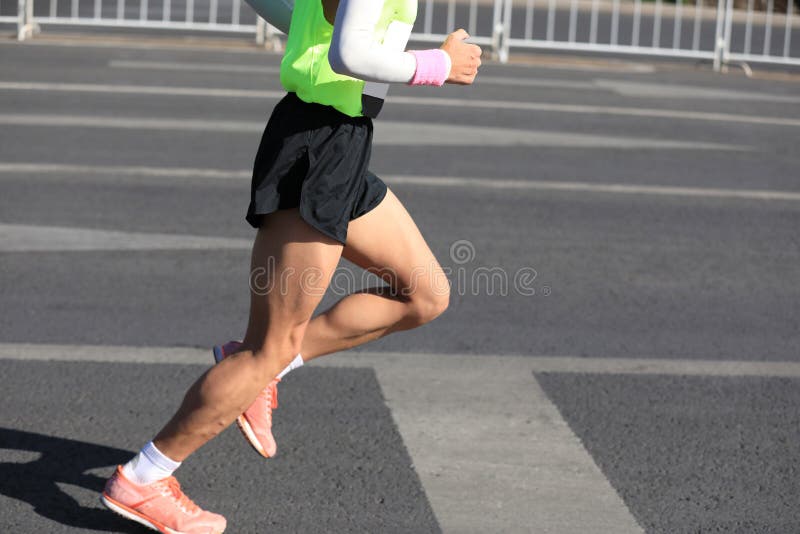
(66, 461)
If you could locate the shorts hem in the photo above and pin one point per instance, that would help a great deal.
(255, 221)
(374, 204)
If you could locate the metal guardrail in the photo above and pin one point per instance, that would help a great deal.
(9, 16)
(719, 33)
(144, 14)
(716, 33)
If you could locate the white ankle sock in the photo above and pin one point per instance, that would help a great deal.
(149, 466)
(297, 362)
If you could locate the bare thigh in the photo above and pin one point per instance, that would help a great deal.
(387, 242)
(291, 266)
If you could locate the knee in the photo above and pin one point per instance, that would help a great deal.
(280, 348)
(425, 307)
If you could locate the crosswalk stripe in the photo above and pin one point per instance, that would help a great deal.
(492, 452)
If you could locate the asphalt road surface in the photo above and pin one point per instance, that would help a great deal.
(621, 349)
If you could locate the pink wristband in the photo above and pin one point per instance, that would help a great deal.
(432, 67)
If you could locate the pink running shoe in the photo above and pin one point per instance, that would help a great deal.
(256, 422)
(161, 506)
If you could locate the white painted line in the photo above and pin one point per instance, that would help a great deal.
(29, 238)
(135, 42)
(131, 123)
(621, 87)
(586, 187)
(162, 90)
(386, 133)
(182, 173)
(270, 69)
(104, 353)
(673, 114)
(576, 364)
(492, 452)
(496, 457)
(565, 63)
(535, 82)
(117, 170)
(194, 67)
(434, 134)
(516, 106)
(625, 88)
(440, 362)
(688, 92)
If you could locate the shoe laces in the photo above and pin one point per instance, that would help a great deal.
(170, 487)
(270, 395)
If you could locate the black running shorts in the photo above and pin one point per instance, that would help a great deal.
(314, 158)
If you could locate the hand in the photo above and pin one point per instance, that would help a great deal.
(465, 58)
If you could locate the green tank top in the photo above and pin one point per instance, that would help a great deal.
(305, 69)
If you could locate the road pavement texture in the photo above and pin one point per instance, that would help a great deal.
(620, 353)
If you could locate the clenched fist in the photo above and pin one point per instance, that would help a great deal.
(465, 58)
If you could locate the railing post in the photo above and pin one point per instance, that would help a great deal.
(504, 46)
(501, 27)
(719, 36)
(22, 12)
(26, 26)
(728, 28)
(497, 29)
(261, 26)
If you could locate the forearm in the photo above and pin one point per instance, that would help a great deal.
(354, 51)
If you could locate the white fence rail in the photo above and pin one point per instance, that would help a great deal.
(229, 16)
(717, 33)
(8, 13)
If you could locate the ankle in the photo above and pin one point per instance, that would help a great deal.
(149, 465)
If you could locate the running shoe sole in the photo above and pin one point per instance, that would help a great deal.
(241, 421)
(129, 513)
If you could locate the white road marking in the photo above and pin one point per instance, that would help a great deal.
(621, 87)
(510, 81)
(563, 63)
(689, 92)
(517, 106)
(181, 174)
(271, 69)
(135, 42)
(30, 238)
(671, 114)
(392, 133)
(131, 123)
(492, 452)
(530, 364)
(658, 91)
(162, 90)
(194, 66)
(586, 187)
(431, 134)
(114, 170)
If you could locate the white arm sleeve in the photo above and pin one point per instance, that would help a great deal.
(276, 12)
(354, 51)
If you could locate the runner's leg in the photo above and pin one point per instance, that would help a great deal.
(385, 241)
(292, 264)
